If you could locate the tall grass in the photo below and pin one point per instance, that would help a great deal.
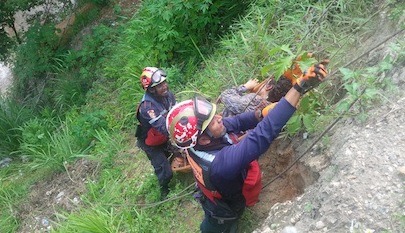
(60, 147)
(8, 219)
(96, 219)
(12, 116)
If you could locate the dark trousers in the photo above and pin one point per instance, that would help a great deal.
(158, 158)
(218, 217)
(212, 225)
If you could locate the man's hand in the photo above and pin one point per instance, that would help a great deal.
(312, 77)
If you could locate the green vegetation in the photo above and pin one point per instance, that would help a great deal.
(77, 102)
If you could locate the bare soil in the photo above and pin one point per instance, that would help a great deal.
(280, 184)
(61, 191)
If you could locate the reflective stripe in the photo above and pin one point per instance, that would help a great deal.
(203, 155)
(149, 98)
(158, 117)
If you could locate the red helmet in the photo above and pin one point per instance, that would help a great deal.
(152, 76)
(187, 119)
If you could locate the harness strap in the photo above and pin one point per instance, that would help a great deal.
(149, 98)
(200, 175)
(158, 117)
(212, 195)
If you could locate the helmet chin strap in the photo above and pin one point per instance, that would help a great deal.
(209, 133)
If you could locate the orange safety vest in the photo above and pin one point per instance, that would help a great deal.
(200, 163)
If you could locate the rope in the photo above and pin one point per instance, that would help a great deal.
(337, 119)
(153, 204)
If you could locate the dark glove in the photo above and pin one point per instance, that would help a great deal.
(312, 77)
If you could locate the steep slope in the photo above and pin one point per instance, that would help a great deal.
(361, 187)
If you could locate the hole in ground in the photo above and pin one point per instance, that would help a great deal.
(289, 185)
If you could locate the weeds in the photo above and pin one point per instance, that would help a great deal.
(94, 219)
(12, 116)
(51, 148)
(364, 86)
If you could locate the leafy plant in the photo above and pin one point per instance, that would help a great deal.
(33, 64)
(364, 86)
(308, 207)
(84, 126)
(6, 45)
(37, 132)
(8, 8)
(166, 23)
(62, 147)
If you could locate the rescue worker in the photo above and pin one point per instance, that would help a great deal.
(152, 136)
(219, 163)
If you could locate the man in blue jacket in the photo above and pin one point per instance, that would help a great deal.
(152, 136)
(221, 164)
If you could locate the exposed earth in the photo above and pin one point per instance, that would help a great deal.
(353, 183)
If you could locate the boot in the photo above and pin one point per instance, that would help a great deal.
(164, 191)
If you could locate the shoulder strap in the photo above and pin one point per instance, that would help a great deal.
(200, 164)
(151, 99)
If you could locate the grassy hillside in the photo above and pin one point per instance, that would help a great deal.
(72, 130)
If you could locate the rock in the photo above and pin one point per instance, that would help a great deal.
(289, 229)
(319, 225)
(402, 170)
(5, 162)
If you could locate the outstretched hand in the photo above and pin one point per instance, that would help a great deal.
(312, 77)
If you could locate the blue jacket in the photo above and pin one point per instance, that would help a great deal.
(228, 169)
(152, 113)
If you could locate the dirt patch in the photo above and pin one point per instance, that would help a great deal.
(283, 177)
(61, 191)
